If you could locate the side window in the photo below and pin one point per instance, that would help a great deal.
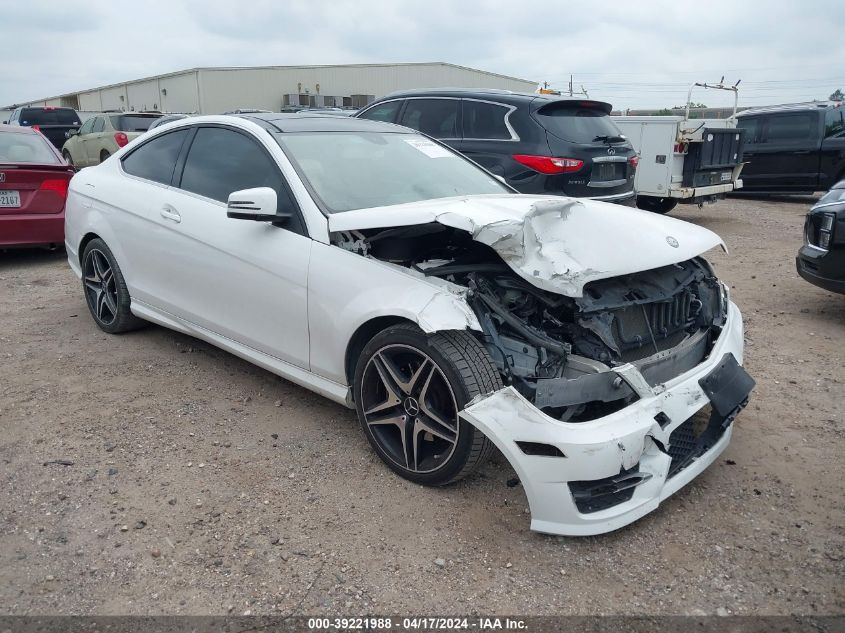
(752, 126)
(99, 124)
(221, 161)
(484, 120)
(383, 111)
(834, 121)
(435, 117)
(87, 127)
(156, 159)
(791, 128)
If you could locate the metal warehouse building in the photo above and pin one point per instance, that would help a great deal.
(216, 90)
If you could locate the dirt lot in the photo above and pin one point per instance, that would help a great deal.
(201, 484)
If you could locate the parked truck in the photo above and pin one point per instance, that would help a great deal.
(691, 161)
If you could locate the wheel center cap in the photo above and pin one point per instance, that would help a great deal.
(412, 407)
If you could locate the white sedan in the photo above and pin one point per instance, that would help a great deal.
(590, 343)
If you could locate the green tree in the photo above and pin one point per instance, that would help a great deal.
(837, 95)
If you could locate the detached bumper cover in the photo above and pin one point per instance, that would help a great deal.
(620, 467)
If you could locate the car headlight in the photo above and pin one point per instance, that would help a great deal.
(826, 230)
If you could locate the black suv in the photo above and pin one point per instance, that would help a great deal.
(795, 148)
(539, 144)
(821, 260)
(52, 122)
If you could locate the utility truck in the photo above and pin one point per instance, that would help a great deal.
(686, 160)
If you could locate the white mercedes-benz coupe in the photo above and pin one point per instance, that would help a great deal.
(590, 343)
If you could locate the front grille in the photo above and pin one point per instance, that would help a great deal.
(692, 439)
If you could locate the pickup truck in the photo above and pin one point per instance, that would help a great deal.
(52, 122)
(795, 148)
(691, 161)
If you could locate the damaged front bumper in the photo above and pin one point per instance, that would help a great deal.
(594, 477)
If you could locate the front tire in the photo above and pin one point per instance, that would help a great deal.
(409, 388)
(656, 205)
(105, 290)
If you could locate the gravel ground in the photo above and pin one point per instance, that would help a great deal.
(199, 484)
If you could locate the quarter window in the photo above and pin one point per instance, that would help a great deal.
(485, 120)
(834, 121)
(383, 112)
(435, 117)
(156, 159)
(221, 161)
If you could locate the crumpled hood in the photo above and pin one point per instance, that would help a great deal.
(555, 243)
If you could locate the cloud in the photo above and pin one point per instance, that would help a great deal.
(632, 54)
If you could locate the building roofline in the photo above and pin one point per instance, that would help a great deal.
(199, 69)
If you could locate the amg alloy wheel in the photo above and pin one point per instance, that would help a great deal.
(409, 389)
(105, 289)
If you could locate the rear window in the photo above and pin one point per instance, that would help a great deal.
(26, 148)
(572, 121)
(132, 122)
(57, 116)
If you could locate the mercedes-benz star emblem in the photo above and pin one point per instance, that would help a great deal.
(412, 407)
(671, 241)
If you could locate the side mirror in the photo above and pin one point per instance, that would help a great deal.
(70, 133)
(258, 204)
(5, 122)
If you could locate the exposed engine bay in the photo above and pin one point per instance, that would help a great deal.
(557, 350)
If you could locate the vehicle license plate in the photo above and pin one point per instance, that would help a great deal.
(10, 198)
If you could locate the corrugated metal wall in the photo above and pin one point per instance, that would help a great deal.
(214, 90)
(171, 93)
(264, 88)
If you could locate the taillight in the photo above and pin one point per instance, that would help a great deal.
(121, 139)
(680, 148)
(37, 128)
(55, 184)
(549, 164)
(634, 161)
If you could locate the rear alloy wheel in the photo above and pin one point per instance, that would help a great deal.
(409, 388)
(656, 205)
(68, 158)
(105, 290)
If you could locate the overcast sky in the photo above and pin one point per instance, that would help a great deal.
(634, 54)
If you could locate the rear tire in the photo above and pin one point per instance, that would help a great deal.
(105, 290)
(656, 205)
(409, 388)
(104, 155)
(68, 158)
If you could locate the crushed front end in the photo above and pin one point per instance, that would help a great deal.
(615, 399)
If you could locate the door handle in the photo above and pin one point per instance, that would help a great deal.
(169, 213)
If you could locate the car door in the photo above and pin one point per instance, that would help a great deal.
(75, 145)
(436, 116)
(91, 142)
(242, 280)
(787, 156)
(488, 138)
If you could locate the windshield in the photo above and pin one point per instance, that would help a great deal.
(26, 148)
(45, 116)
(132, 122)
(577, 124)
(356, 170)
